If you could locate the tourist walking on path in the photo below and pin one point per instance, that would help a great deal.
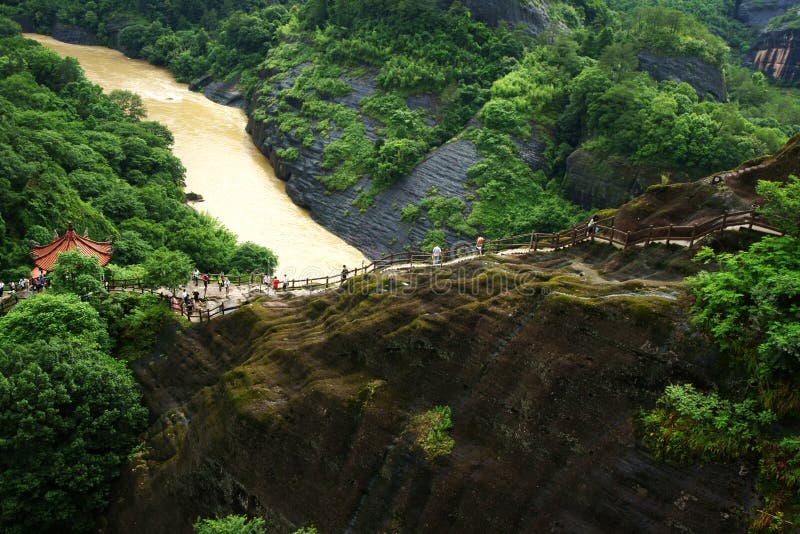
(285, 282)
(266, 281)
(2, 288)
(195, 276)
(227, 285)
(275, 283)
(344, 273)
(479, 245)
(436, 254)
(591, 226)
(221, 280)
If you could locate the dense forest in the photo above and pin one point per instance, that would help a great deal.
(68, 153)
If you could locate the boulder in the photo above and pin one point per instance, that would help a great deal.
(703, 77)
(227, 93)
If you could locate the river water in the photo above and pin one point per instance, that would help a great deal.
(222, 164)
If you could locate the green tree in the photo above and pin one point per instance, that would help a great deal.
(252, 258)
(782, 204)
(129, 102)
(50, 316)
(167, 268)
(69, 416)
(76, 273)
(232, 524)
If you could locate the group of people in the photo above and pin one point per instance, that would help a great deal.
(185, 303)
(34, 285)
(275, 283)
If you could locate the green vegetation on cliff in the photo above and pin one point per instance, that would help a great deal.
(748, 303)
(300, 61)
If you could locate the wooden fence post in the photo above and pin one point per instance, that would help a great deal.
(327, 281)
(669, 233)
(694, 232)
(535, 242)
(724, 222)
(649, 235)
(752, 218)
(627, 239)
(574, 236)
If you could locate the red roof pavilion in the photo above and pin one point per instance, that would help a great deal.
(44, 257)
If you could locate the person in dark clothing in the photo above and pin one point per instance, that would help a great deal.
(344, 273)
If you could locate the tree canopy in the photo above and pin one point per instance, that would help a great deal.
(69, 416)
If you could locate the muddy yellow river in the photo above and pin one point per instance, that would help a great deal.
(222, 164)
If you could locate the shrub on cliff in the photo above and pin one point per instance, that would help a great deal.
(69, 416)
(749, 305)
(231, 524)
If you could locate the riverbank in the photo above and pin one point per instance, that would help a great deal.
(237, 184)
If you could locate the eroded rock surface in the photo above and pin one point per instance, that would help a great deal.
(378, 230)
(777, 54)
(299, 410)
(606, 182)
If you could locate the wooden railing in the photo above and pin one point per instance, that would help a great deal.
(604, 230)
(536, 241)
(201, 315)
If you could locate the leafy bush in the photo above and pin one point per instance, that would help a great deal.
(69, 416)
(432, 429)
(167, 268)
(49, 317)
(252, 258)
(688, 424)
(747, 305)
(410, 214)
(77, 274)
(232, 524)
(289, 154)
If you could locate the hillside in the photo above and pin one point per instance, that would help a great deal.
(282, 411)
(428, 123)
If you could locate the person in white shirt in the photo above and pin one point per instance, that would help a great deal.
(437, 254)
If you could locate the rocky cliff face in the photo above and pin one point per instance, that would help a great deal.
(281, 410)
(757, 13)
(531, 15)
(595, 182)
(777, 54)
(694, 202)
(704, 78)
(378, 230)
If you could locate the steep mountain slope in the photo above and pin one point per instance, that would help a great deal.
(282, 410)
